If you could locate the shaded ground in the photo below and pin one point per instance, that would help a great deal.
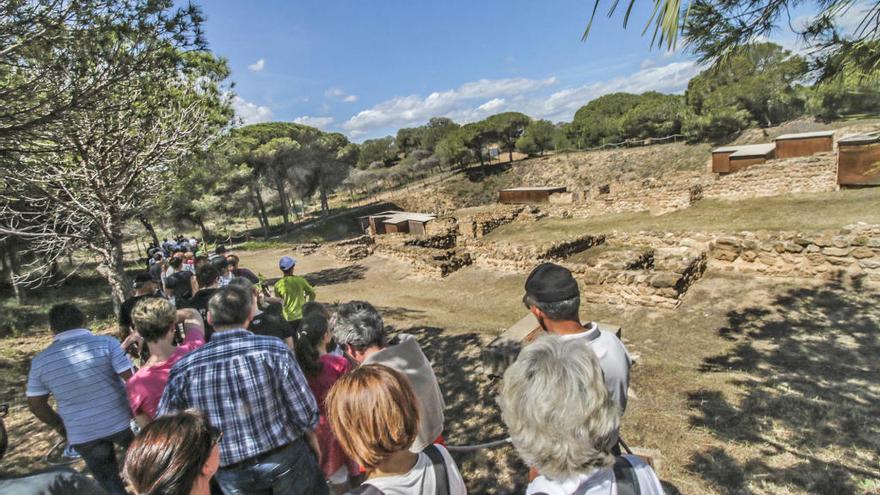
(751, 386)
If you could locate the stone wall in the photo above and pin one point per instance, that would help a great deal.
(817, 173)
(520, 257)
(851, 252)
(426, 262)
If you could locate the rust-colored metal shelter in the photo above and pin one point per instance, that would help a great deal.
(858, 160)
(389, 222)
(721, 159)
(751, 154)
(804, 144)
(523, 195)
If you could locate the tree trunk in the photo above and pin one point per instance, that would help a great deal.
(325, 205)
(510, 154)
(204, 229)
(282, 197)
(10, 259)
(112, 268)
(262, 210)
(149, 226)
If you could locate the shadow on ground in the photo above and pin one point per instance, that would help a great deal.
(333, 276)
(470, 398)
(807, 364)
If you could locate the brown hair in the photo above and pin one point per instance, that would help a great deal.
(152, 317)
(373, 412)
(168, 454)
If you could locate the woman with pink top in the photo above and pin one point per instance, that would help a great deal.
(155, 321)
(322, 370)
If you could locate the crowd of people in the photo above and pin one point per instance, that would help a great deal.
(227, 388)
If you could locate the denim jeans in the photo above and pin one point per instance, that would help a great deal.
(100, 457)
(294, 470)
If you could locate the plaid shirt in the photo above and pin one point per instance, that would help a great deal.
(251, 388)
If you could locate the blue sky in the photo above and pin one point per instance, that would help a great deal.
(369, 68)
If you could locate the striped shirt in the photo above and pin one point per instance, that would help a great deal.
(81, 371)
(250, 386)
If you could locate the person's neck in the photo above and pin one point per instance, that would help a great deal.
(202, 486)
(398, 463)
(565, 327)
(142, 292)
(369, 351)
(228, 328)
(161, 350)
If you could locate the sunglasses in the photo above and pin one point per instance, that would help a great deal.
(215, 435)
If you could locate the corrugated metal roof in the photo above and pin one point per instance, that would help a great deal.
(753, 150)
(806, 135)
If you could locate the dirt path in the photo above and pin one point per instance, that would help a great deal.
(751, 386)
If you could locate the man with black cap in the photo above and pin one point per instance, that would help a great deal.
(552, 295)
(144, 286)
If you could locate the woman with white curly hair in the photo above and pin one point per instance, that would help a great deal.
(562, 422)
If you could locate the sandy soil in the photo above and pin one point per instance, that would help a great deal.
(751, 386)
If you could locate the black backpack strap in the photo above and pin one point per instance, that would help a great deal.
(439, 469)
(365, 489)
(625, 476)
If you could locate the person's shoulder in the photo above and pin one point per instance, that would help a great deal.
(337, 363)
(543, 485)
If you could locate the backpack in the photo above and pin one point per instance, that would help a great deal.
(624, 476)
(440, 475)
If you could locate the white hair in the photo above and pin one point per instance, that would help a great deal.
(558, 412)
(358, 324)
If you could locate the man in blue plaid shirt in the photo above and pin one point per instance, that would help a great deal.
(252, 388)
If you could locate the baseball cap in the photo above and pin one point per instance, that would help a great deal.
(286, 263)
(550, 282)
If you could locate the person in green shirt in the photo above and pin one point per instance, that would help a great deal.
(293, 291)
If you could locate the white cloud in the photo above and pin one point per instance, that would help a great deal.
(476, 100)
(454, 103)
(319, 122)
(258, 66)
(341, 95)
(250, 113)
(647, 63)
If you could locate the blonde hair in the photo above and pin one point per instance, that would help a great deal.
(373, 412)
(152, 317)
(558, 412)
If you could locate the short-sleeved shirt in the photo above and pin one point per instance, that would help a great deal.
(295, 291)
(251, 388)
(180, 284)
(271, 325)
(81, 370)
(600, 481)
(613, 359)
(146, 386)
(420, 479)
(245, 273)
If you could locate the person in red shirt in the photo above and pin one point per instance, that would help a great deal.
(322, 370)
(155, 321)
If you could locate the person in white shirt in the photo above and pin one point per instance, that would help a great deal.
(374, 413)
(553, 296)
(563, 422)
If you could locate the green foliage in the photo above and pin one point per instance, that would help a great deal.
(601, 119)
(761, 79)
(409, 139)
(453, 150)
(507, 127)
(383, 150)
(848, 94)
(655, 115)
(716, 124)
(435, 130)
(538, 137)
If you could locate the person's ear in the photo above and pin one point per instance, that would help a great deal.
(536, 311)
(210, 319)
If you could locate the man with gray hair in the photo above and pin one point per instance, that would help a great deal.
(563, 423)
(553, 296)
(253, 390)
(359, 329)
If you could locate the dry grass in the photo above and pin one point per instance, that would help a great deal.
(802, 212)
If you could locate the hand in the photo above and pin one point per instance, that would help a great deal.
(133, 338)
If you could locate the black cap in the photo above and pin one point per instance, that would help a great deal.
(550, 282)
(141, 278)
(220, 249)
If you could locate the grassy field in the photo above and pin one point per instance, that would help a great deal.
(803, 212)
